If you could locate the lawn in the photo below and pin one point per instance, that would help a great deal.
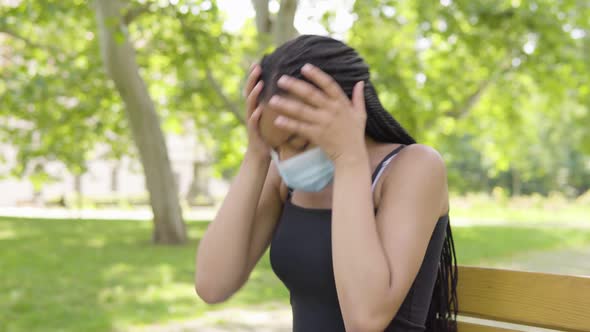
(70, 275)
(536, 209)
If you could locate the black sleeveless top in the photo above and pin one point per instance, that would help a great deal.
(301, 256)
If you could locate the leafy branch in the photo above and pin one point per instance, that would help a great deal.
(28, 42)
(232, 106)
(133, 13)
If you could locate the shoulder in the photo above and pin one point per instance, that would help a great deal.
(416, 179)
(421, 157)
(417, 165)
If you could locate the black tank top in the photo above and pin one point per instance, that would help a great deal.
(301, 256)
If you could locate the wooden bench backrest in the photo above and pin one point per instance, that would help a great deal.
(534, 299)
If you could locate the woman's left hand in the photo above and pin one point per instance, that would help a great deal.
(324, 116)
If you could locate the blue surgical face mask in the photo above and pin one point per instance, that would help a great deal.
(309, 171)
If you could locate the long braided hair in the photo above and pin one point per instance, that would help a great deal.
(346, 66)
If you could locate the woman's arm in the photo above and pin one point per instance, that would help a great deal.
(241, 231)
(376, 258)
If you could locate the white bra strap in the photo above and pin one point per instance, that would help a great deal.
(383, 167)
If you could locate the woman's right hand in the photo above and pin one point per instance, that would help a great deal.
(256, 144)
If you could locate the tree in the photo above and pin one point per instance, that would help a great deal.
(55, 105)
(507, 75)
(217, 84)
(59, 105)
(503, 82)
(119, 58)
(275, 30)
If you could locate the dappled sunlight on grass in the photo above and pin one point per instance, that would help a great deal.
(91, 276)
(72, 275)
(7, 234)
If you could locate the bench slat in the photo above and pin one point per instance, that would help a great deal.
(536, 299)
(471, 327)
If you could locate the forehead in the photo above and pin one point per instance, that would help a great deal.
(270, 133)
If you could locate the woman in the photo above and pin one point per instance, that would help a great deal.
(355, 213)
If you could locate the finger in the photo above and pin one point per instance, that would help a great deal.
(305, 91)
(252, 100)
(297, 127)
(328, 85)
(252, 78)
(358, 96)
(296, 110)
(255, 117)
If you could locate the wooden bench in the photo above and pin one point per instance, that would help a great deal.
(552, 301)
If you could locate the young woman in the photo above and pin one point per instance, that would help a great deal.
(355, 212)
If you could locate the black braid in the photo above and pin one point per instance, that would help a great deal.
(347, 68)
(381, 126)
(442, 315)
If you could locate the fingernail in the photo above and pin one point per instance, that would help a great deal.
(280, 120)
(284, 79)
(274, 100)
(307, 67)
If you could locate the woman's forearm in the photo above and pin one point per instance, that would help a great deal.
(222, 256)
(361, 269)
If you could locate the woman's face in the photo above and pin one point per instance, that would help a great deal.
(286, 144)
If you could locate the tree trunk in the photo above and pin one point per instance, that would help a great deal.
(278, 29)
(79, 191)
(119, 58)
(199, 186)
(284, 28)
(263, 21)
(516, 184)
(115, 178)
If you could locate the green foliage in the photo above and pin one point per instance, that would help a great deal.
(499, 87)
(55, 96)
(60, 105)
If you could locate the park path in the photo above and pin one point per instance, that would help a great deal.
(564, 261)
(140, 214)
(208, 213)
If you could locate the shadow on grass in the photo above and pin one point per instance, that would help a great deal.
(70, 275)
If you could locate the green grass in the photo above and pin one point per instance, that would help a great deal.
(70, 275)
(524, 209)
(481, 245)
